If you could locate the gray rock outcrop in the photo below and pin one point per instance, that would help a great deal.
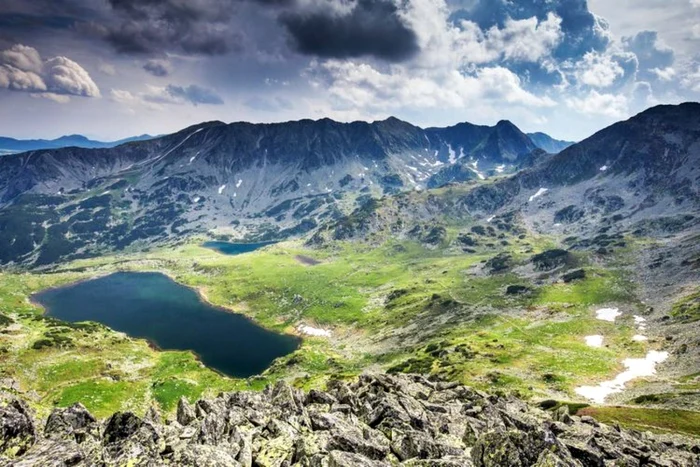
(379, 420)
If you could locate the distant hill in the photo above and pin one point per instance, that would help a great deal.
(549, 144)
(12, 145)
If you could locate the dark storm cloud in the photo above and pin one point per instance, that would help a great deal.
(194, 94)
(215, 27)
(129, 26)
(371, 28)
(153, 26)
(158, 68)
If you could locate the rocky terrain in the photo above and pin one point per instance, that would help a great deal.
(379, 420)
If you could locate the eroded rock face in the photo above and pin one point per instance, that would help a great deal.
(380, 420)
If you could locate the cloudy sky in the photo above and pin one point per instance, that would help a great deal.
(115, 68)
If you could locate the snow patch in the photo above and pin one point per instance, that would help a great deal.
(604, 168)
(238, 183)
(196, 199)
(474, 167)
(311, 331)
(452, 155)
(642, 326)
(490, 219)
(222, 188)
(607, 314)
(594, 341)
(501, 168)
(635, 368)
(539, 193)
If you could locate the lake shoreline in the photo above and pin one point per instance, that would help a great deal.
(210, 340)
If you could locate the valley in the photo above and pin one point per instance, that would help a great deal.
(569, 280)
(400, 307)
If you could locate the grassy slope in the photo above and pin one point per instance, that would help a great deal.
(447, 318)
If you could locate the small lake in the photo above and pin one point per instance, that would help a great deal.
(173, 317)
(229, 248)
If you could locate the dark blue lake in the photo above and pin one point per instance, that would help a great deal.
(173, 317)
(229, 248)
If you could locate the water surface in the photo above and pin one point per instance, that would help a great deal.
(173, 317)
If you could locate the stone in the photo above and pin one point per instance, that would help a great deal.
(377, 420)
(17, 428)
(73, 422)
(347, 459)
(185, 412)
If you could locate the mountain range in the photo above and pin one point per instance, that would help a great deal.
(273, 181)
(249, 181)
(12, 145)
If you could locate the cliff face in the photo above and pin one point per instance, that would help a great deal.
(379, 420)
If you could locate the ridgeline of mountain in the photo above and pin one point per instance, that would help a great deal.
(254, 181)
(638, 177)
(12, 145)
(549, 144)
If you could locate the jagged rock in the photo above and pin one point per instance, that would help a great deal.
(17, 429)
(346, 459)
(550, 459)
(379, 420)
(51, 453)
(185, 412)
(496, 449)
(153, 416)
(126, 437)
(206, 456)
(74, 422)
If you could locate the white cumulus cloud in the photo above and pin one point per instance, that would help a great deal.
(598, 70)
(597, 104)
(22, 69)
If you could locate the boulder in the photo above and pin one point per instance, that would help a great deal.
(17, 428)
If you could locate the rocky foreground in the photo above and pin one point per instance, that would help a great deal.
(379, 420)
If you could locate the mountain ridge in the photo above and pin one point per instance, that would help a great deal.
(271, 181)
(14, 145)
